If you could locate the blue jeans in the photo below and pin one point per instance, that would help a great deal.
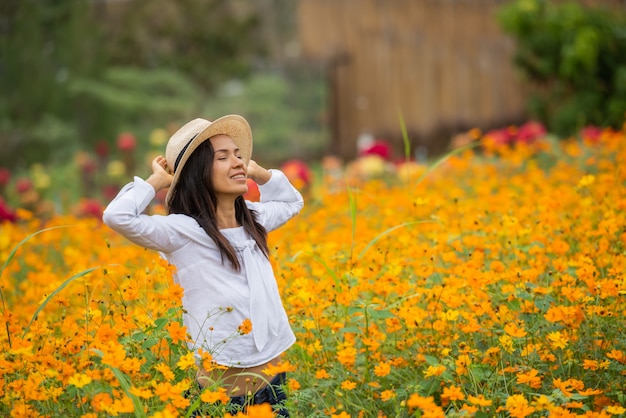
(272, 394)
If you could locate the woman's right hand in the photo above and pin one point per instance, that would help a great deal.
(160, 177)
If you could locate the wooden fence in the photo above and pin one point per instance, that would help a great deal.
(444, 65)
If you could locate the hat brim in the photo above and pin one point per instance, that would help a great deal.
(235, 126)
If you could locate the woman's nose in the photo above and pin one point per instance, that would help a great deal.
(236, 161)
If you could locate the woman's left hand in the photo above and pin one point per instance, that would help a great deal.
(257, 173)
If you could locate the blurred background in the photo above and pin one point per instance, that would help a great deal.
(91, 89)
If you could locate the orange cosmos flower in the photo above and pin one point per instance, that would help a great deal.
(260, 411)
(177, 332)
(113, 354)
(479, 400)
(219, 395)
(245, 327)
(280, 367)
(165, 371)
(346, 354)
(293, 384)
(348, 385)
(514, 330)
(453, 393)
(518, 406)
(144, 393)
(382, 369)
(531, 378)
(617, 355)
(387, 395)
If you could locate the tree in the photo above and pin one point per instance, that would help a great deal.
(75, 72)
(575, 57)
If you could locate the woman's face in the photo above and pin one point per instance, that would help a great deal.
(228, 171)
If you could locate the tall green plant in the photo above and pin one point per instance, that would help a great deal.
(574, 57)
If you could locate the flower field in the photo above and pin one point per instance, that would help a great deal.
(489, 284)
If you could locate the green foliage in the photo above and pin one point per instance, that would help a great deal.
(575, 57)
(74, 72)
(284, 113)
(43, 47)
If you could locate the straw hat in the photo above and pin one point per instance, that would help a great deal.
(185, 141)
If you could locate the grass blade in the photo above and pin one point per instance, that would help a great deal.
(22, 242)
(405, 137)
(444, 158)
(388, 231)
(126, 386)
(53, 294)
(8, 260)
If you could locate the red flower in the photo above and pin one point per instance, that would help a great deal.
(102, 149)
(253, 193)
(591, 133)
(126, 142)
(530, 131)
(23, 185)
(298, 172)
(5, 176)
(91, 207)
(379, 148)
(6, 214)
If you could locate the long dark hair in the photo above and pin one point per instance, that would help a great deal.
(194, 196)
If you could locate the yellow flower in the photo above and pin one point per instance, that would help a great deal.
(79, 380)
(558, 339)
(186, 361)
(616, 410)
(434, 370)
(506, 342)
(586, 180)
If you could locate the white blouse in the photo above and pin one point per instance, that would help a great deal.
(217, 298)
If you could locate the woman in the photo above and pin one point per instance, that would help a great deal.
(218, 243)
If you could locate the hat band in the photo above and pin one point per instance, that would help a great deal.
(182, 151)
